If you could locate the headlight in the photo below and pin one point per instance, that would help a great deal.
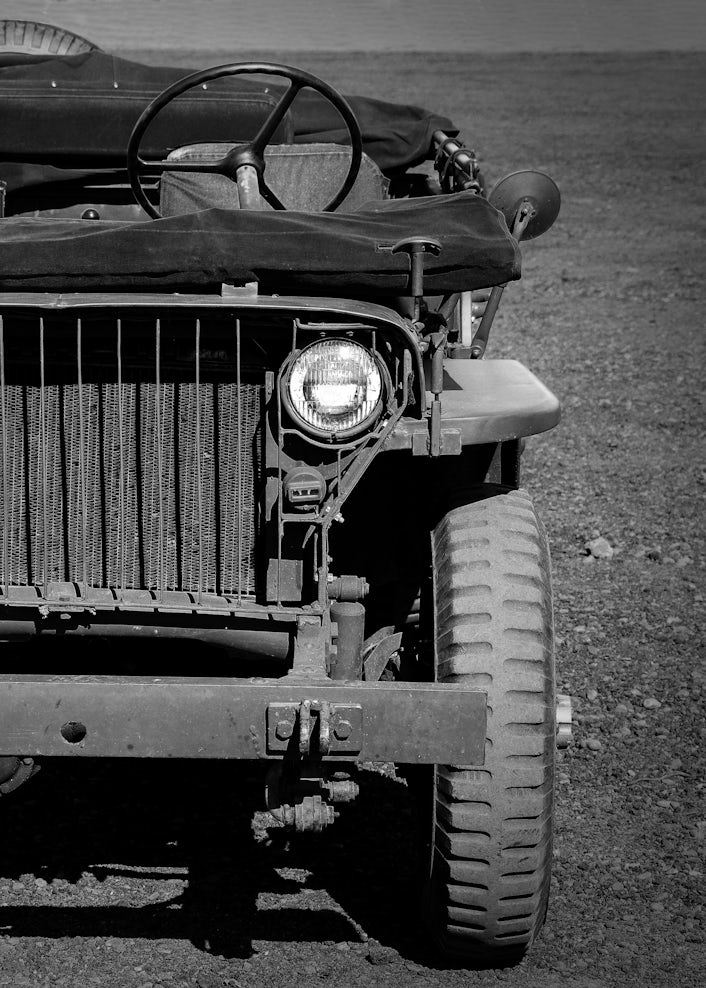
(334, 386)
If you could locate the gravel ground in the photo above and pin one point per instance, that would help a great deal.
(143, 876)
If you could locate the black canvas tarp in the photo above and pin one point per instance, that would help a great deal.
(78, 112)
(345, 254)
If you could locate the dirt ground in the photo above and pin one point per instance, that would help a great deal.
(138, 876)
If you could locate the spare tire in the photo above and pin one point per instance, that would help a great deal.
(33, 38)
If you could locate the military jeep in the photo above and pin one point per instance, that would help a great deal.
(245, 407)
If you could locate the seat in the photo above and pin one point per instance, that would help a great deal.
(303, 176)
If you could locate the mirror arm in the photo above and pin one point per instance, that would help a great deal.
(480, 340)
(523, 217)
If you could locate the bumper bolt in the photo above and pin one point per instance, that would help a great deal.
(342, 730)
(284, 730)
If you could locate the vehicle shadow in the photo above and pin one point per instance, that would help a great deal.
(188, 827)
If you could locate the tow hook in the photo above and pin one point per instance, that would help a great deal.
(564, 732)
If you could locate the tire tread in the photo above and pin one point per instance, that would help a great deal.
(494, 630)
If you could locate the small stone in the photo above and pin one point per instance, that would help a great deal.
(657, 907)
(592, 695)
(651, 703)
(620, 709)
(600, 548)
(377, 954)
(414, 967)
(684, 561)
(593, 744)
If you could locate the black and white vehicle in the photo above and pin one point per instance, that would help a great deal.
(245, 403)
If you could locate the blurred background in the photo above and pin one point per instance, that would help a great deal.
(377, 25)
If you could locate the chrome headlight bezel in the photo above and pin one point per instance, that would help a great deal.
(294, 404)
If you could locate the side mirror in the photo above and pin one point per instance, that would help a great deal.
(529, 201)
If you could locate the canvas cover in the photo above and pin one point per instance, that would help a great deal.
(341, 254)
(78, 112)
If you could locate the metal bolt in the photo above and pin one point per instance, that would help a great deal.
(284, 730)
(343, 730)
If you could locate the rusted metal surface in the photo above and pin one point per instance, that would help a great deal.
(228, 718)
(309, 658)
(319, 727)
(311, 815)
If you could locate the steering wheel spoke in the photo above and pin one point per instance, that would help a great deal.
(252, 152)
(268, 195)
(215, 167)
(270, 125)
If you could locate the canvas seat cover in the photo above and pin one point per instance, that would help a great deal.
(304, 177)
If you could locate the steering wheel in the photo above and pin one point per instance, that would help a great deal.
(250, 155)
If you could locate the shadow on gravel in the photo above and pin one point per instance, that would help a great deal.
(78, 825)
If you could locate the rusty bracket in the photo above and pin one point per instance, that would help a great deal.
(450, 440)
(319, 727)
(309, 660)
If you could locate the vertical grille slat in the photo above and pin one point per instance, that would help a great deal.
(82, 513)
(44, 452)
(199, 481)
(159, 439)
(239, 455)
(122, 471)
(118, 546)
(5, 477)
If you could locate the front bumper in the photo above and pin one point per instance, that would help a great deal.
(259, 719)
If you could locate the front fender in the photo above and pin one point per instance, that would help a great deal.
(486, 401)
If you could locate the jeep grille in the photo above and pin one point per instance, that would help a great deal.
(129, 454)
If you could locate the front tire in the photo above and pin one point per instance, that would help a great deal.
(491, 843)
(34, 38)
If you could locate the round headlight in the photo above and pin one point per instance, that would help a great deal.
(335, 386)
